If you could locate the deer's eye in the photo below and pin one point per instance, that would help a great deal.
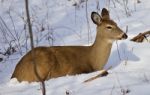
(109, 27)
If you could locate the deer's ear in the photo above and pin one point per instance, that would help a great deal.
(96, 18)
(105, 14)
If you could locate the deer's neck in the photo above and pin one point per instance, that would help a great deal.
(100, 51)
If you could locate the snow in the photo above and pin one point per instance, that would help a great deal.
(67, 25)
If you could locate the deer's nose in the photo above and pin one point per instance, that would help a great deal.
(124, 36)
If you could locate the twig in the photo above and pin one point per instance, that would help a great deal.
(101, 74)
(88, 24)
(14, 27)
(67, 93)
(140, 37)
(118, 51)
(98, 6)
(32, 47)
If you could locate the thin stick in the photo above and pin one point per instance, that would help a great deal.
(88, 24)
(32, 47)
(101, 74)
(118, 51)
(140, 37)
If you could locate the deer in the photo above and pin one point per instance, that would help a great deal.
(58, 61)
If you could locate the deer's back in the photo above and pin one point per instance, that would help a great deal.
(53, 62)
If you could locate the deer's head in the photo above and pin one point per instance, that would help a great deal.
(106, 27)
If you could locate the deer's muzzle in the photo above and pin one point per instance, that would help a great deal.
(124, 36)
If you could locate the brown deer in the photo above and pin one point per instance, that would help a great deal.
(56, 61)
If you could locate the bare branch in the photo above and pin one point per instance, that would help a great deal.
(141, 36)
(101, 74)
(32, 47)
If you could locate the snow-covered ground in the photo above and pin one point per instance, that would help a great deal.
(58, 22)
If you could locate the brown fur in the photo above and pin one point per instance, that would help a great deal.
(59, 61)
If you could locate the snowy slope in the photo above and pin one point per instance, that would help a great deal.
(67, 24)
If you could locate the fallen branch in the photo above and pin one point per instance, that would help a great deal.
(101, 74)
(141, 36)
